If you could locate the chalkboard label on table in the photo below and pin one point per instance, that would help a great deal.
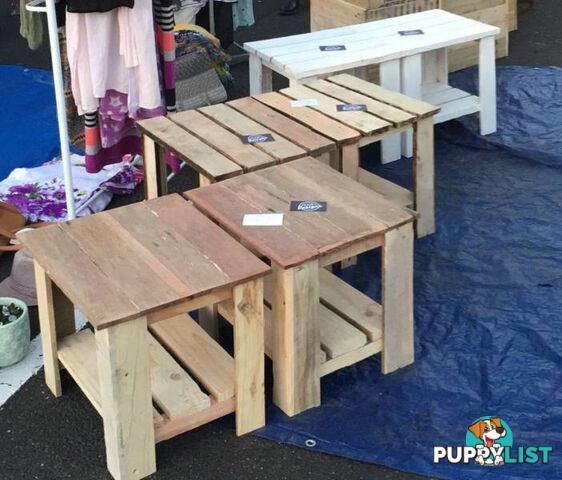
(407, 33)
(308, 206)
(332, 48)
(352, 107)
(259, 138)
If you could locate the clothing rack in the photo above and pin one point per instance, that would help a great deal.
(49, 9)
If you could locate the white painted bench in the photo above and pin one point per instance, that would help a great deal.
(415, 65)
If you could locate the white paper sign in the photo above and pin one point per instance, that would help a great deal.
(305, 102)
(263, 219)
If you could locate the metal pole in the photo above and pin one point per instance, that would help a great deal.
(49, 8)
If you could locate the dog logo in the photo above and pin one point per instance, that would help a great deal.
(489, 432)
(309, 206)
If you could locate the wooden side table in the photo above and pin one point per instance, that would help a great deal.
(134, 272)
(387, 113)
(209, 141)
(317, 323)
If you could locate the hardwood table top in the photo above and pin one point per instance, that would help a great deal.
(300, 56)
(354, 212)
(127, 262)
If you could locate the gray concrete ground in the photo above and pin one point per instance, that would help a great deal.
(46, 438)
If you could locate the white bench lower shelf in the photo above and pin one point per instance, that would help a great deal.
(454, 102)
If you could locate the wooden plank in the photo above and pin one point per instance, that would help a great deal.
(123, 365)
(78, 355)
(181, 425)
(197, 154)
(296, 337)
(398, 298)
(408, 104)
(396, 116)
(316, 121)
(249, 356)
(361, 121)
(56, 320)
(226, 310)
(281, 148)
(151, 167)
(393, 192)
(338, 336)
(173, 390)
(351, 358)
(260, 76)
(306, 138)
(424, 182)
(351, 304)
(198, 353)
(246, 156)
(487, 86)
(351, 250)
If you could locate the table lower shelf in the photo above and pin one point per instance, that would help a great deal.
(191, 386)
(350, 323)
(393, 192)
(454, 102)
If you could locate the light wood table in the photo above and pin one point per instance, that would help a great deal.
(387, 113)
(134, 272)
(415, 65)
(209, 140)
(317, 323)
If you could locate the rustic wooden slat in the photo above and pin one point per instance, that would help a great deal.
(306, 138)
(396, 116)
(361, 121)
(281, 148)
(199, 354)
(351, 358)
(91, 290)
(174, 391)
(197, 154)
(247, 156)
(316, 121)
(393, 192)
(408, 104)
(350, 304)
(337, 336)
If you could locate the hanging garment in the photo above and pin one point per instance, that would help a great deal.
(113, 51)
(90, 6)
(243, 13)
(31, 26)
(223, 22)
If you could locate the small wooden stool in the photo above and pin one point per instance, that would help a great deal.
(209, 141)
(317, 323)
(134, 272)
(387, 114)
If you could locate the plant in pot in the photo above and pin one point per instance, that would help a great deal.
(14, 331)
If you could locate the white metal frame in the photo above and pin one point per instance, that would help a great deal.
(49, 8)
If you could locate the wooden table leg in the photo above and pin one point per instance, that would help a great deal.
(126, 402)
(260, 76)
(350, 168)
(412, 86)
(56, 319)
(390, 78)
(249, 356)
(487, 86)
(398, 298)
(296, 363)
(424, 181)
(209, 320)
(204, 181)
(155, 173)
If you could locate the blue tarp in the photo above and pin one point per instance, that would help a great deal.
(28, 128)
(488, 302)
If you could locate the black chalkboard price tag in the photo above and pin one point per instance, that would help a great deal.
(332, 48)
(259, 138)
(308, 206)
(352, 107)
(408, 33)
